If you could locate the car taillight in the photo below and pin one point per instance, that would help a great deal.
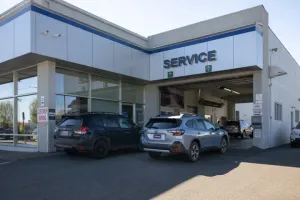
(82, 130)
(177, 132)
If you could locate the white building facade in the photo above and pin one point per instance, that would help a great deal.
(56, 58)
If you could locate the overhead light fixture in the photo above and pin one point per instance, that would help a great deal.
(228, 90)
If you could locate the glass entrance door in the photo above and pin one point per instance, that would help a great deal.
(127, 110)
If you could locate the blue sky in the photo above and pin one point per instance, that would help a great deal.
(147, 17)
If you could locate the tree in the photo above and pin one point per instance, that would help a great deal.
(6, 114)
(33, 111)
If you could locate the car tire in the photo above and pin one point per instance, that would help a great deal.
(251, 135)
(194, 152)
(154, 155)
(243, 135)
(101, 149)
(139, 147)
(223, 145)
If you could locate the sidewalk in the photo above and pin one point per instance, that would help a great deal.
(11, 156)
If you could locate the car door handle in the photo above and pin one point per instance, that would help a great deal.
(127, 132)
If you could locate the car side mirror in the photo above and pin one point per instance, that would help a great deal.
(211, 130)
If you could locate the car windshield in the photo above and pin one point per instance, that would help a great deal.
(163, 123)
(231, 123)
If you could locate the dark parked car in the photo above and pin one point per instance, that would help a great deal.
(238, 128)
(97, 133)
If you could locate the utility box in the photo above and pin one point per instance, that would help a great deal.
(256, 122)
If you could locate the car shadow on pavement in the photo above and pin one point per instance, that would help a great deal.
(125, 174)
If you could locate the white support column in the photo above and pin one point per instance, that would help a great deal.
(15, 109)
(46, 90)
(120, 97)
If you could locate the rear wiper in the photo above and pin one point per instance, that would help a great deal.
(153, 127)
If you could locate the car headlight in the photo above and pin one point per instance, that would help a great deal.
(293, 134)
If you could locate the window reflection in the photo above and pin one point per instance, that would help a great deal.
(70, 82)
(76, 104)
(104, 88)
(27, 119)
(27, 81)
(6, 121)
(60, 107)
(104, 106)
(132, 93)
(6, 86)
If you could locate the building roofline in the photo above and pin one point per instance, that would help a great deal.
(75, 8)
(284, 47)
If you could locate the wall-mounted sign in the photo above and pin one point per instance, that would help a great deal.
(42, 115)
(196, 58)
(42, 100)
(208, 68)
(257, 109)
(170, 74)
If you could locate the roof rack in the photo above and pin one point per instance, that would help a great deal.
(86, 113)
(181, 115)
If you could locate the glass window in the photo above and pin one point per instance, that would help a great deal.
(132, 93)
(60, 107)
(163, 123)
(209, 126)
(125, 123)
(6, 86)
(200, 124)
(6, 120)
(297, 116)
(71, 82)
(278, 112)
(27, 119)
(76, 104)
(27, 81)
(104, 106)
(191, 124)
(110, 122)
(71, 122)
(105, 88)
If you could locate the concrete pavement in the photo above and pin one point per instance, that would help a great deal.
(239, 174)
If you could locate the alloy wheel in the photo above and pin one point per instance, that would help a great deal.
(223, 145)
(195, 151)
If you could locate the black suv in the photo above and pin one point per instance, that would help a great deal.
(97, 133)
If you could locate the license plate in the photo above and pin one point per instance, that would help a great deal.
(157, 136)
(64, 133)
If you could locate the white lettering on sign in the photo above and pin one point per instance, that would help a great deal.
(42, 114)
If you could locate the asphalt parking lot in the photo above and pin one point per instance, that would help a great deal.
(239, 174)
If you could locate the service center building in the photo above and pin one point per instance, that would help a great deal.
(56, 59)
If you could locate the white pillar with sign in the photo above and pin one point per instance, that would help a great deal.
(46, 106)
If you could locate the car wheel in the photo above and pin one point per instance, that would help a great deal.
(154, 155)
(194, 152)
(139, 147)
(101, 149)
(223, 145)
(243, 136)
(251, 135)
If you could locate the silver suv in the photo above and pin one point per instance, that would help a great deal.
(187, 134)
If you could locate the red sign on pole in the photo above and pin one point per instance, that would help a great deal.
(42, 114)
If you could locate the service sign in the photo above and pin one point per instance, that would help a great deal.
(202, 57)
(42, 114)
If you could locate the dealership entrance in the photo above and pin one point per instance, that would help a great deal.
(213, 96)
